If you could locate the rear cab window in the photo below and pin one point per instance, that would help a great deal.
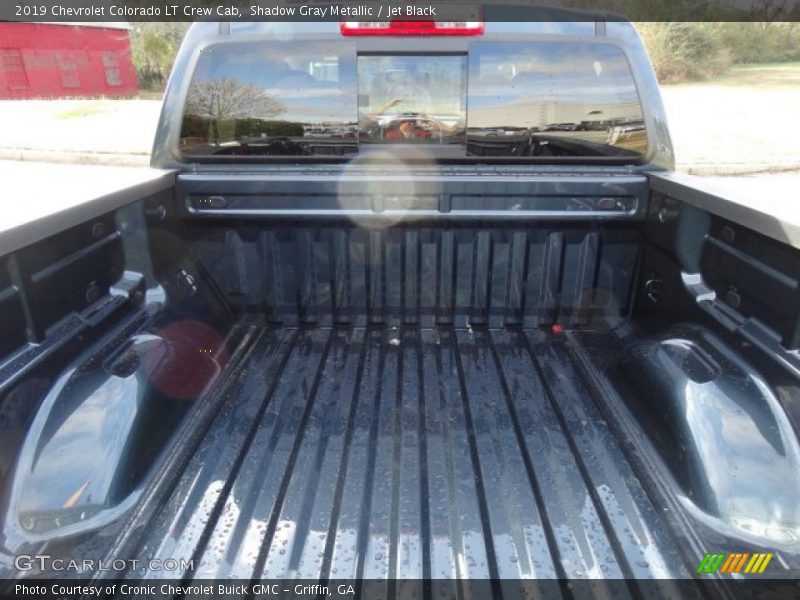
(537, 101)
(412, 99)
(272, 99)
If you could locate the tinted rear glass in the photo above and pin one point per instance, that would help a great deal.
(273, 99)
(553, 99)
(513, 100)
(412, 99)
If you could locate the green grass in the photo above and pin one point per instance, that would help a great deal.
(761, 75)
(766, 75)
(79, 112)
(762, 66)
(148, 95)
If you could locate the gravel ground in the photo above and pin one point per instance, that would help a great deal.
(104, 126)
(746, 119)
(744, 122)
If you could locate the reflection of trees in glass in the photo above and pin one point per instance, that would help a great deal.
(225, 100)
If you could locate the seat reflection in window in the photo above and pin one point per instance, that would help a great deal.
(407, 129)
(411, 99)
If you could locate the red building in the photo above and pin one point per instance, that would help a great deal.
(58, 60)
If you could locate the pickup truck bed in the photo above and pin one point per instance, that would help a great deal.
(502, 400)
(492, 401)
(411, 453)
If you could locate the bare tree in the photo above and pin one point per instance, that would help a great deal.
(225, 98)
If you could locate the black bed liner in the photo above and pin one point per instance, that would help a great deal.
(411, 453)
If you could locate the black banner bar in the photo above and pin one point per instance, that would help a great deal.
(382, 10)
(373, 589)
